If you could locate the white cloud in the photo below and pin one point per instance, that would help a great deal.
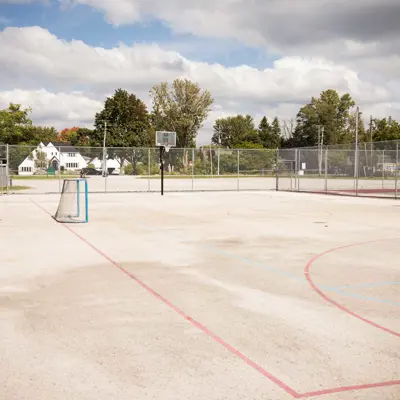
(278, 23)
(60, 110)
(67, 81)
(360, 34)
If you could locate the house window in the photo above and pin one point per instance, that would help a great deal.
(26, 169)
(72, 165)
(71, 154)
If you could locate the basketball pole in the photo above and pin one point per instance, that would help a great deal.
(162, 148)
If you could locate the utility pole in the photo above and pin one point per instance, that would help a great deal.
(219, 150)
(322, 145)
(321, 130)
(319, 153)
(356, 152)
(370, 138)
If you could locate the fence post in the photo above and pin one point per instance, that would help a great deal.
(326, 170)
(356, 168)
(298, 170)
(7, 169)
(277, 170)
(211, 162)
(192, 169)
(396, 171)
(383, 169)
(105, 151)
(148, 169)
(295, 168)
(59, 170)
(238, 169)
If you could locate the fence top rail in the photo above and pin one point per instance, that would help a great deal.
(370, 146)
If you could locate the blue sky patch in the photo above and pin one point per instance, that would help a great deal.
(84, 23)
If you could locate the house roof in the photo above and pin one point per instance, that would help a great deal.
(64, 147)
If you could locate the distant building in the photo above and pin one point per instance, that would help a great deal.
(113, 165)
(52, 155)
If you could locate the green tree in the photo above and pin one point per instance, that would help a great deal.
(127, 119)
(89, 142)
(16, 127)
(41, 159)
(330, 111)
(248, 145)
(264, 132)
(235, 130)
(182, 108)
(350, 133)
(127, 123)
(13, 122)
(85, 137)
(276, 134)
(287, 135)
(385, 129)
(33, 135)
(256, 161)
(340, 163)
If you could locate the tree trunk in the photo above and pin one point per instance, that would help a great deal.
(185, 159)
(134, 165)
(121, 165)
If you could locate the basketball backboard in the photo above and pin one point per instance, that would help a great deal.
(165, 139)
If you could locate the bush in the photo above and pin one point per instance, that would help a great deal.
(202, 167)
(128, 169)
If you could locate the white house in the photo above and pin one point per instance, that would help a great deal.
(112, 164)
(56, 155)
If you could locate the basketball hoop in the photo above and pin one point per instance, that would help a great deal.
(164, 140)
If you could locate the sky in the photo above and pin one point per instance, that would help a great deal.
(63, 58)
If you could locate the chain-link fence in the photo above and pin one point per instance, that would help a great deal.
(361, 172)
(331, 170)
(363, 146)
(41, 170)
(3, 169)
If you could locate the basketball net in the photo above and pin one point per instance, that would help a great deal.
(166, 147)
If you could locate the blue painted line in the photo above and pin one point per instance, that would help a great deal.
(278, 270)
(360, 296)
(369, 285)
(295, 277)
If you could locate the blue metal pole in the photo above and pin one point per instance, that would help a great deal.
(78, 200)
(87, 201)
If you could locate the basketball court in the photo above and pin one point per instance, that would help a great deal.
(235, 295)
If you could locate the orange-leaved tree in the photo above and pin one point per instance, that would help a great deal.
(68, 135)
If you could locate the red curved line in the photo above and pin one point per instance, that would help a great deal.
(333, 302)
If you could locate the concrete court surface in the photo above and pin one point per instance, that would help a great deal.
(204, 296)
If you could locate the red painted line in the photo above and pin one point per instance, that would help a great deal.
(388, 190)
(333, 302)
(187, 317)
(219, 340)
(349, 388)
